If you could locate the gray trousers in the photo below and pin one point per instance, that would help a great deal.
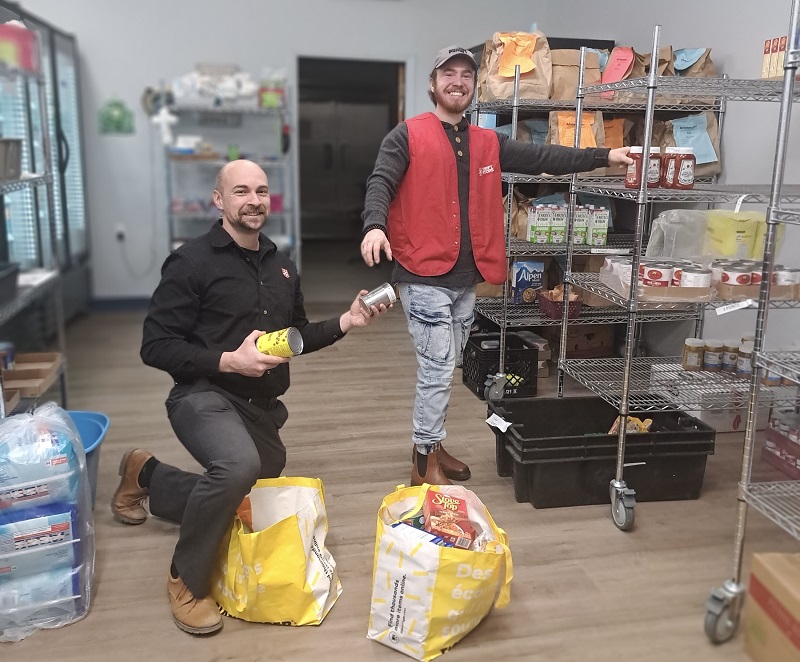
(236, 442)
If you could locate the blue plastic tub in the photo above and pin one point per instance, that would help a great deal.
(92, 427)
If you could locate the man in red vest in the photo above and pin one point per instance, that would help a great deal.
(436, 193)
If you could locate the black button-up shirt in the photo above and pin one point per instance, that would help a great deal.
(212, 295)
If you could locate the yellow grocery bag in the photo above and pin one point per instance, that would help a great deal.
(280, 571)
(425, 597)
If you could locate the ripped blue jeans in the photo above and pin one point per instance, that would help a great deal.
(439, 320)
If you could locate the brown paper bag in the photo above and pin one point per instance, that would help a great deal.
(665, 61)
(659, 131)
(635, 69)
(562, 132)
(566, 67)
(703, 68)
(506, 49)
(618, 132)
(705, 169)
(519, 214)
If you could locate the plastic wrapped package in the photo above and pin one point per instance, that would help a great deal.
(46, 525)
(679, 233)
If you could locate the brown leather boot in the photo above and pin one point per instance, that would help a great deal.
(129, 497)
(191, 614)
(432, 473)
(453, 468)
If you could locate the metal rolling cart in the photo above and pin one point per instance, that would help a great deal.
(507, 315)
(633, 384)
(778, 501)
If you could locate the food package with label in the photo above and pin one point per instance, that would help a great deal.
(446, 516)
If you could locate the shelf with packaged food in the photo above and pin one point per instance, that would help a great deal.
(702, 193)
(785, 364)
(729, 89)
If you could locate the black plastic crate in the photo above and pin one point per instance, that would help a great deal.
(521, 364)
(558, 452)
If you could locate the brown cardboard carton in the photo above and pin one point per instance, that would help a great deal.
(772, 610)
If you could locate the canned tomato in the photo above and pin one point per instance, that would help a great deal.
(785, 276)
(736, 274)
(660, 273)
(677, 273)
(695, 277)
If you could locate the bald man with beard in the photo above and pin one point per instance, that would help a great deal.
(218, 293)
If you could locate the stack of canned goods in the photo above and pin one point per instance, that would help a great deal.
(661, 272)
(737, 273)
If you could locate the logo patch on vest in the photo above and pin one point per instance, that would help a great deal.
(486, 170)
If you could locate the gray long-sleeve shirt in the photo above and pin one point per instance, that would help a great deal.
(515, 156)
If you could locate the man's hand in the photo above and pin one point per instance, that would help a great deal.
(374, 242)
(247, 360)
(619, 156)
(356, 315)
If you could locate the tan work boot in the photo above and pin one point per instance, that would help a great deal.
(453, 468)
(191, 614)
(127, 503)
(431, 472)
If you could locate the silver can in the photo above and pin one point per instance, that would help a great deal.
(695, 277)
(383, 294)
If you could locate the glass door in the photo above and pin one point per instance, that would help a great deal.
(70, 145)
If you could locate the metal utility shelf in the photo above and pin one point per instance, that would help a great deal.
(26, 294)
(786, 364)
(731, 89)
(226, 110)
(786, 216)
(591, 283)
(774, 304)
(517, 178)
(528, 314)
(618, 244)
(30, 181)
(703, 193)
(504, 106)
(779, 502)
(660, 384)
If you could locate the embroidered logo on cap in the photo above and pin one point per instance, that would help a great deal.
(284, 272)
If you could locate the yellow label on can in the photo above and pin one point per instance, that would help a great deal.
(275, 343)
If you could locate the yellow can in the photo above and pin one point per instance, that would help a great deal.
(286, 342)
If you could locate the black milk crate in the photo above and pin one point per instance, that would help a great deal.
(558, 452)
(521, 364)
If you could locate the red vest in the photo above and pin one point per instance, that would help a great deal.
(425, 216)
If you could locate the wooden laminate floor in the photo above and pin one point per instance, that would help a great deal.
(582, 590)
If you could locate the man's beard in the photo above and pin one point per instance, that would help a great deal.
(246, 222)
(452, 104)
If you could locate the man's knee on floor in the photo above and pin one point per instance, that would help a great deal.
(237, 475)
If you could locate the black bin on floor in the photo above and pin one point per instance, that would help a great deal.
(558, 452)
(482, 358)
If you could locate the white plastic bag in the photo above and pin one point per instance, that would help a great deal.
(46, 524)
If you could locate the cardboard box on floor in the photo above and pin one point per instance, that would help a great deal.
(772, 611)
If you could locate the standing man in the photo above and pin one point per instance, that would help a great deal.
(218, 293)
(436, 193)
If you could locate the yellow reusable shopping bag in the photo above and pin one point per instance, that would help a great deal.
(426, 598)
(280, 572)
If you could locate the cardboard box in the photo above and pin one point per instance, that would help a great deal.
(772, 610)
(539, 220)
(597, 233)
(558, 226)
(765, 60)
(33, 373)
(727, 292)
(526, 278)
(773, 57)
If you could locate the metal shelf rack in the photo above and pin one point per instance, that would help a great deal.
(661, 384)
(778, 501)
(29, 181)
(536, 106)
(709, 193)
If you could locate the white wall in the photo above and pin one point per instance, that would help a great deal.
(126, 47)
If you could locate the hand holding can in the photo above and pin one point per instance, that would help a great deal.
(286, 342)
(383, 294)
